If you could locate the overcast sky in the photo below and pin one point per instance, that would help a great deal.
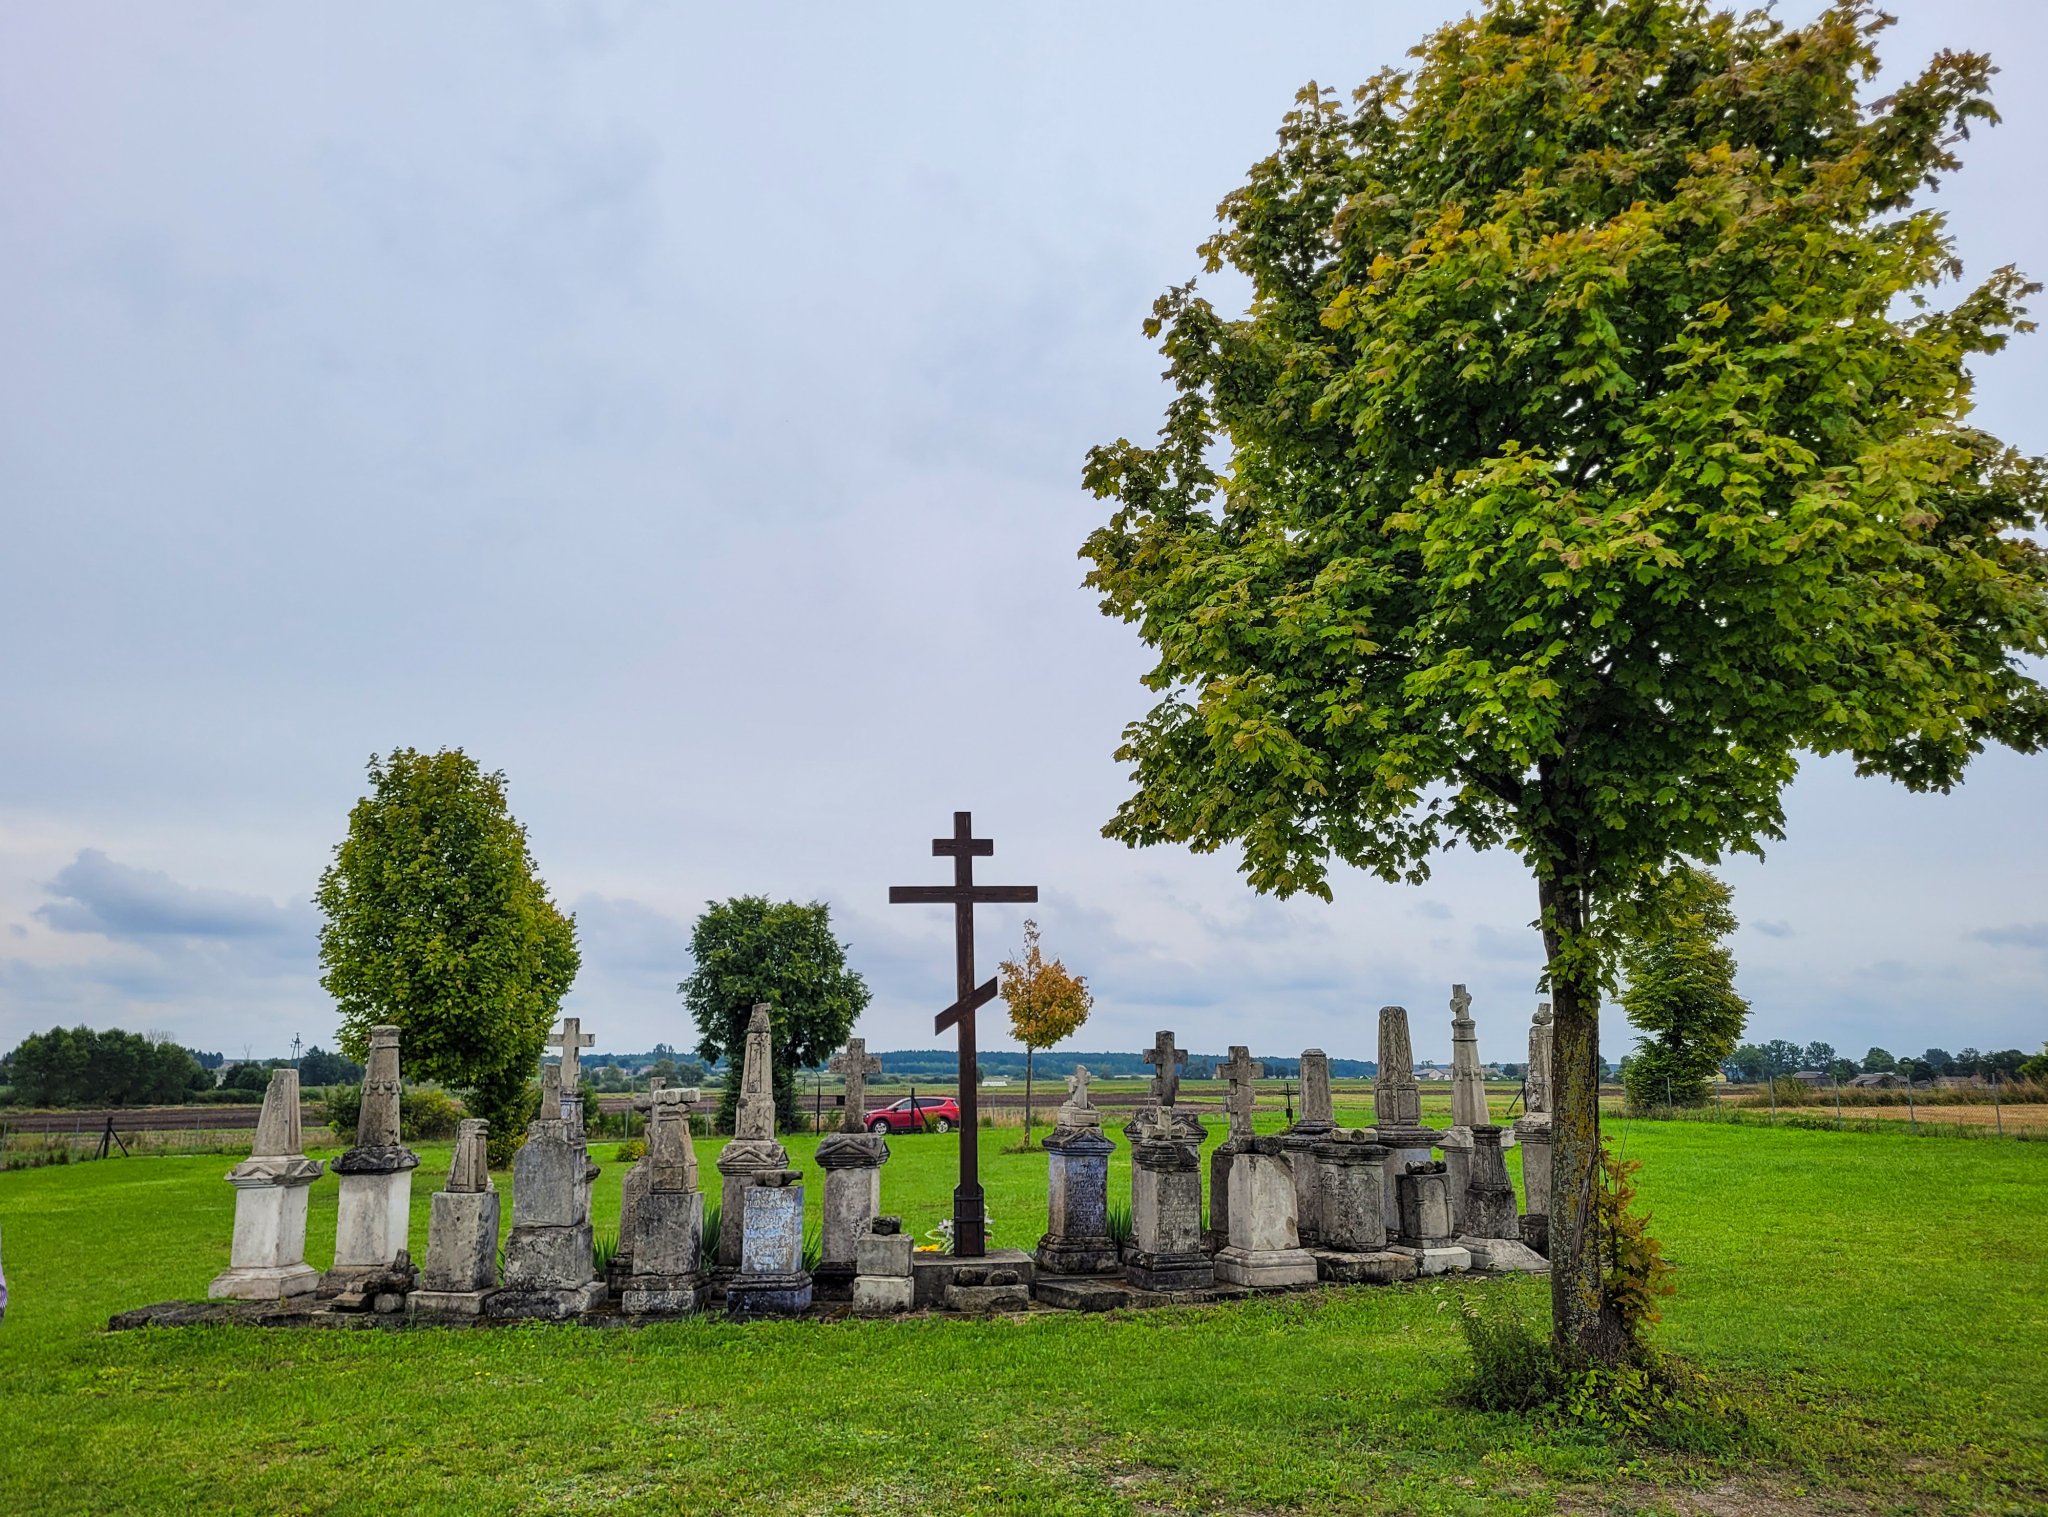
(682, 409)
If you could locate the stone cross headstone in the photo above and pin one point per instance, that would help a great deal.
(1396, 1099)
(1468, 1086)
(1077, 1112)
(1166, 1060)
(550, 1265)
(1240, 1069)
(572, 1040)
(853, 1065)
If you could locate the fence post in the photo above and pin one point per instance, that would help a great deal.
(1838, 1100)
(1771, 1084)
(1912, 1112)
(1997, 1111)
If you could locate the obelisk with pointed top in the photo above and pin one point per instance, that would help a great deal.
(1468, 1086)
(970, 1221)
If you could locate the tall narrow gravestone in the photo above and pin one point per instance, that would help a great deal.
(1532, 1132)
(1265, 1249)
(667, 1226)
(550, 1261)
(1318, 1120)
(753, 1157)
(852, 1159)
(462, 1232)
(1397, 1108)
(1077, 1240)
(374, 1213)
(1240, 1070)
(1468, 1085)
(268, 1259)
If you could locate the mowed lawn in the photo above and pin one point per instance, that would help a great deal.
(1878, 1303)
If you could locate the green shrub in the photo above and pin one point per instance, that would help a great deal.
(227, 1096)
(707, 1245)
(629, 1151)
(605, 1247)
(1514, 1367)
(1120, 1222)
(425, 1112)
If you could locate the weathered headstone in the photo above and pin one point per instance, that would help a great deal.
(1423, 1192)
(267, 1261)
(852, 1160)
(640, 1177)
(1166, 1061)
(1492, 1231)
(1318, 1118)
(772, 1281)
(572, 1040)
(1350, 1171)
(550, 1263)
(1456, 1143)
(1165, 1252)
(1468, 1085)
(1077, 1111)
(373, 1214)
(1397, 1108)
(1077, 1240)
(753, 1157)
(666, 1232)
(1240, 1071)
(1532, 1133)
(1264, 1251)
(881, 1284)
(462, 1231)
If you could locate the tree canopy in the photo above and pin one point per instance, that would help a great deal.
(76, 1066)
(1593, 446)
(1047, 1004)
(438, 923)
(1680, 992)
(750, 949)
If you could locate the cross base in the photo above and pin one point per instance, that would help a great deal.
(970, 1222)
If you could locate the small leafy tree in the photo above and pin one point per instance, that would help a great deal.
(1591, 448)
(750, 949)
(1046, 1005)
(1878, 1062)
(438, 923)
(1681, 992)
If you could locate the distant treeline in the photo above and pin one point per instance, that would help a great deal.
(944, 1064)
(77, 1066)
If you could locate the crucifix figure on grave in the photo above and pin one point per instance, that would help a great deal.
(853, 1065)
(970, 1231)
(1240, 1069)
(572, 1040)
(1167, 1059)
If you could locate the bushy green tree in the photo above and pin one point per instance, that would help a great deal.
(1680, 992)
(76, 1066)
(1590, 449)
(1878, 1062)
(319, 1067)
(438, 923)
(248, 1075)
(750, 949)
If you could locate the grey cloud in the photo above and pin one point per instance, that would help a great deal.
(113, 900)
(1773, 929)
(2015, 935)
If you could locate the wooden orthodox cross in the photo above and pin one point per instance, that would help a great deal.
(970, 1232)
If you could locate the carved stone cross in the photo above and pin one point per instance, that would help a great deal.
(1167, 1059)
(854, 1065)
(572, 1040)
(1077, 1085)
(1240, 1069)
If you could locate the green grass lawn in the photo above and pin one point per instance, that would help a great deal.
(1879, 1303)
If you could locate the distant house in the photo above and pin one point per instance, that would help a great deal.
(1882, 1079)
(1431, 1072)
(1811, 1076)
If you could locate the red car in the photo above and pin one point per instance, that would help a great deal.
(934, 1113)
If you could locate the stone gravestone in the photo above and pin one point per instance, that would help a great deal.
(1426, 1229)
(572, 1040)
(1468, 1086)
(1077, 1240)
(1532, 1132)
(1167, 1060)
(1350, 1170)
(640, 1177)
(1397, 1108)
(1165, 1252)
(666, 1234)
(462, 1231)
(1492, 1232)
(772, 1281)
(373, 1215)
(1240, 1070)
(1318, 1119)
(267, 1261)
(753, 1157)
(1265, 1249)
(852, 1159)
(550, 1263)
(882, 1258)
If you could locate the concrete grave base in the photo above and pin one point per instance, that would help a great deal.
(555, 1258)
(933, 1274)
(1504, 1255)
(761, 1295)
(881, 1295)
(1448, 1260)
(1077, 1256)
(265, 1282)
(1266, 1268)
(1169, 1272)
(372, 1215)
(426, 1303)
(462, 1242)
(1383, 1267)
(544, 1303)
(660, 1295)
(983, 1300)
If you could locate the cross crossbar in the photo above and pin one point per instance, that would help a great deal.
(954, 895)
(966, 1006)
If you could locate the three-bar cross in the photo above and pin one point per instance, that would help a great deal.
(970, 1233)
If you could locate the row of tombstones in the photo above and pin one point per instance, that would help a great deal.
(1316, 1202)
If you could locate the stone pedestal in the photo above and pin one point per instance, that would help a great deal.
(267, 1260)
(462, 1253)
(550, 1266)
(1533, 1135)
(852, 1162)
(668, 1247)
(1165, 1251)
(1299, 1150)
(1077, 1240)
(1404, 1146)
(1350, 1172)
(882, 1284)
(1265, 1249)
(772, 1281)
(1425, 1205)
(936, 1280)
(1456, 1146)
(374, 1213)
(1489, 1196)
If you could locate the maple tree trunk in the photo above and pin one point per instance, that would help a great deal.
(1582, 1320)
(1027, 1094)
